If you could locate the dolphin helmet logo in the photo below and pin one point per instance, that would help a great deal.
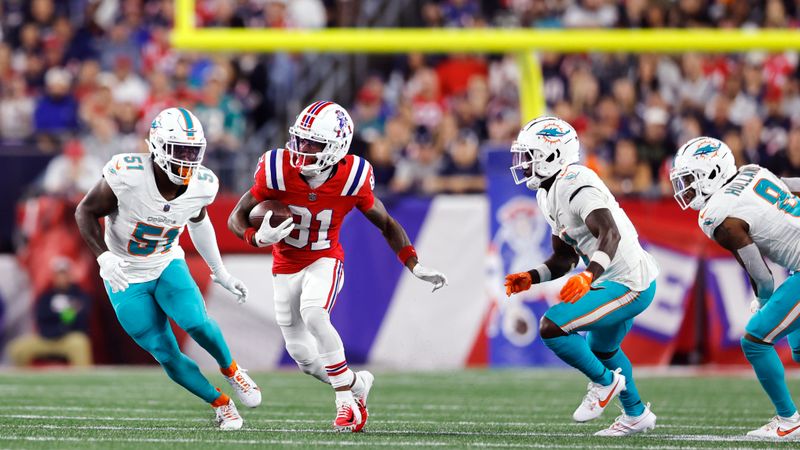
(707, 149)
(552, 133)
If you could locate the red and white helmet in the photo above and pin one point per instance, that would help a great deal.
(320, 137)
(177, 143)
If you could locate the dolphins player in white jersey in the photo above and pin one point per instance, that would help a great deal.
(146, 202)
(753, 214)
(617, 285)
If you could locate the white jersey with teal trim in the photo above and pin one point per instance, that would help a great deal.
(145, 228)
(761, 199)
(575, 193)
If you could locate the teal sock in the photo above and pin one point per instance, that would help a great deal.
(769, 370)
(573, 350)
(629, 398)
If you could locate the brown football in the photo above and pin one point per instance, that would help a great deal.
(280, 212)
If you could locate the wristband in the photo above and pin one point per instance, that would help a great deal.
(405, 253)
(601, 258)
(544, 273)
(249, 236)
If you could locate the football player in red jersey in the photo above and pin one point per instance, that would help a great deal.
(320, 183)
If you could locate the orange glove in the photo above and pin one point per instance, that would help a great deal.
(577, 286)
(518, 282)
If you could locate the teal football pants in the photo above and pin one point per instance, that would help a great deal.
(775, 320)
(143, 311)
(606, 313)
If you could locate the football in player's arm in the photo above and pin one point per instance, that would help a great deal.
(392, 231)
(320, 183)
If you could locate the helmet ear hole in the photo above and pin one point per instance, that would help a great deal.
(558, 153)
(713, 173)
(551, 157)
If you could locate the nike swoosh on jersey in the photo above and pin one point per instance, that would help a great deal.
(604, 402)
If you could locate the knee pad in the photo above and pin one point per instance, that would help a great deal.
(301, 352)
(316, 319)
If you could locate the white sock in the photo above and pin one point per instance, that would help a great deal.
(339, 374)
(359, 386)
(344, 396)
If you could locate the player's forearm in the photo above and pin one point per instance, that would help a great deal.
(553, 268)
(205, 241)
(90, 229)
(397, 238)
(607, 245)
(237, 223)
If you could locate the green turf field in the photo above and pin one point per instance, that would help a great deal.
(141, 408)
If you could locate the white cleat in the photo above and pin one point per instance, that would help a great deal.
(779, 428)
(348, 416)
(228, 418)
(361, 398)
(626, 425)
(598, 397)
(246, 389)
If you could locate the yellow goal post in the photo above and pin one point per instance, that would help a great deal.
(521, 42)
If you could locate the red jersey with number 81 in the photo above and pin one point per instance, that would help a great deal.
(318, 213)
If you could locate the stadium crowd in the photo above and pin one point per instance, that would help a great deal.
(424, 121)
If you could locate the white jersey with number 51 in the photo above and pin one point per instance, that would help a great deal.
(765, 203)
(145, 228)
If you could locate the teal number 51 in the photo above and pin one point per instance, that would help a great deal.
(771, 192)
(141, 245)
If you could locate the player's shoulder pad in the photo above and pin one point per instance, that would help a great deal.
(206, 182)
(274, 161)
(359, 171)
(574, 179)
(716, 210)
(126, 170)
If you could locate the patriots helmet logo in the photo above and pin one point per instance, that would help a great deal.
(342, 128)
(552, 133)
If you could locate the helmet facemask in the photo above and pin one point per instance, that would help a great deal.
(693, 187)
(178, 159)
(312, 154)
(532, 165)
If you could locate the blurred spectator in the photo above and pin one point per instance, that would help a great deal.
(125, 84)
(383, 164)
(627, 175)
(223, 125)
(461, 171)
(61, 315)
(56, 111)
(787, 163)
(416, 174)
(16, 111)
(590, 14)
(655, 143)
(73, 172)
